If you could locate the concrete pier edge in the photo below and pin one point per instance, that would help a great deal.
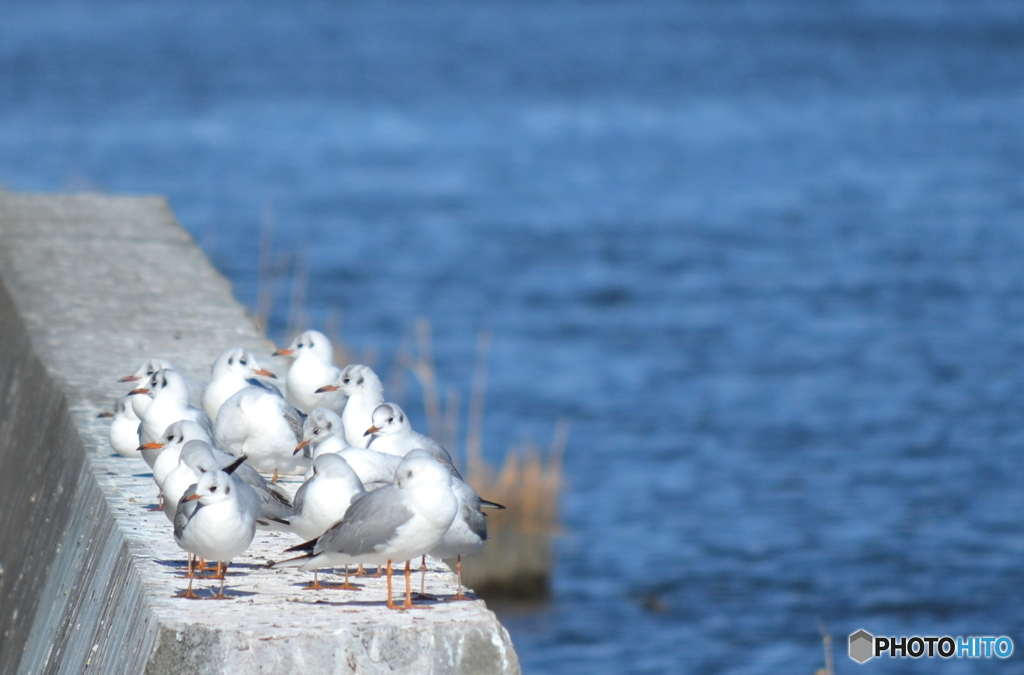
(90, 286)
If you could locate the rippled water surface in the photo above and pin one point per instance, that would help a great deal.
(768, 257)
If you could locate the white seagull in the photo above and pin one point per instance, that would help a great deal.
(221, 527)
(170, 404)
(233, 370)
(313, 368)
(365, 393)
(264, 426)
(323, 432)
(392, 434)
(322, 501)
(124, 429)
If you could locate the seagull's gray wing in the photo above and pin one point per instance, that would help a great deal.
(295, 420)
(184, 512)
(253, 382)
(370, 522)
(469, 509)
(300, 496)
(203, 420)
(437, 451)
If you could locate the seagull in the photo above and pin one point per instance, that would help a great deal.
(395, 523)
(221, 527)
(323, 432)
(170, 403)
(322, 501)
(264, 426)
(146, 370)
(140, 401)
(392, 434)
(169, 447)
(468, 530)
(313, 368)
(275, 508)
(124, 429)
(233, 370)
(365, 393)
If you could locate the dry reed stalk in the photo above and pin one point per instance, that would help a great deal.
(297, 299)
(265, 272)
(826, 641)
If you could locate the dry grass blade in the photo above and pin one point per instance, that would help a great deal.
(265, 274)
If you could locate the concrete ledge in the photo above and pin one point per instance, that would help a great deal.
(91, 286)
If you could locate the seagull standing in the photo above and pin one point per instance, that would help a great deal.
(467, 532)
(323, 432)
(169, 447)
(124, 429)
(398, 522)
(233, 370)
(170, 404)
(312, 369)
(221, 527)
(264, 426)
(365, 393)
(322, 501)
(392, 434)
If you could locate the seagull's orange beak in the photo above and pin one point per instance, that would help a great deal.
(371, 430)
(299, 447)
(138, 391)
(150, 446)
(265, 373)
(106, 414)
(283, 352)
(329, 387)
(192, 497)
(129, 378)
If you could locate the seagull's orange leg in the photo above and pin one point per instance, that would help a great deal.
(187, 593)
(408, 585)
(391, 605)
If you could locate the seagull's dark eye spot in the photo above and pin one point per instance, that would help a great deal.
(231, 360)
(242, 362)
(346, 380)
(213, 489)
(301, 345)
(390, 420)
(317, 430)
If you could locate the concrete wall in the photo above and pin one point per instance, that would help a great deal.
(91, 286)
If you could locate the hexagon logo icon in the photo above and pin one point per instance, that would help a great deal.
(862, 646)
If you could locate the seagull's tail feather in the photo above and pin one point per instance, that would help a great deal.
(304, 546)
(298, 561)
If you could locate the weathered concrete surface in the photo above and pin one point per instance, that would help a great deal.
(92, 286)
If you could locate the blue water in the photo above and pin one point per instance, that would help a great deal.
(768, 257)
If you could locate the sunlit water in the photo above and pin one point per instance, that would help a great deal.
(768, 257)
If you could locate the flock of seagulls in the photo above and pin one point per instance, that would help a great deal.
(375, 491)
